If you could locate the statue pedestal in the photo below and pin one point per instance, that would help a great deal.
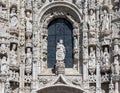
(60, 67)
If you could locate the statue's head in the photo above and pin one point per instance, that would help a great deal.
(105, 11)
(13, 10)
(3, 45)
(14, 46)
(106, 50)
(28, 13)
(4, 57)
(28, 50)
(91, 49)
(91, 11)
(61, 41)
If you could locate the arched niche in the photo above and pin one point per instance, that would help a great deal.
(60, 29)
(47, 14)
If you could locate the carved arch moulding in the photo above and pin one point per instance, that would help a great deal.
(49, 13)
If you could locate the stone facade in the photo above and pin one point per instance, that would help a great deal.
(24, 46)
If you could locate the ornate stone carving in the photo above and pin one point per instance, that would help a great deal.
(105, 23)
(77, 82)
(60, 56)
(3, 48)
(111, 87)
(92, 60)
(13, 55)
(43, 80)
(35, 40)
(44, 44)
(115, 30)
(28, 78)
(14, 76)
(28, 24)
(79, 3)
(4, 29)
(105, 78)
(60, 68)
(28, 60)
(105, 60)
(92, 78)
(13, 2)
(7, 87)
(91, 21)
(29, 43)
(23, 46)
(106, 2)
(14, 19)
(92, 4)
(60, 53)
(116, 67)
(76, 43)
(4, 65)
(28, 5)
(76, 52)
(22, 38)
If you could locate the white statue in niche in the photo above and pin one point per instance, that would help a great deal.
(45, 43)
(14, 19)
(92, 58)
(28, 21)
(13, 55)
(4, 65)
(105, 20)
(60, 51)
(75, 43)
(3, 48)
(28, 57)
(106, 57)
(91, 21)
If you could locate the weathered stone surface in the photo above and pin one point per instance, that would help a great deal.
(25, 46)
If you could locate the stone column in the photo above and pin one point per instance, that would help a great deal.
(21, 47)
(98, 74)
(22, 72)
(34, 75)
(3, 87)
(85, 49)
(116, 64)
(85, 59)
(2, 83)
(36, 47)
